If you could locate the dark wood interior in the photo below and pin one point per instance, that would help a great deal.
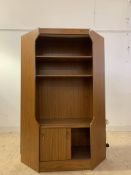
(80, 143)
(63, 46)
(64, 68)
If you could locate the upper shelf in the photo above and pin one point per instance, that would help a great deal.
(63, 76)
(63, 58)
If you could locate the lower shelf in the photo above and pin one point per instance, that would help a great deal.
(68, 123)
(80, 152)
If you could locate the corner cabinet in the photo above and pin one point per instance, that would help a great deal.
(62, 100)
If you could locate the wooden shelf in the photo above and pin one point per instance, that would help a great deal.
(63, 76)
(68, 123)
(63, 58)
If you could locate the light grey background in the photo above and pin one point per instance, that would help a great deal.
(111, 18)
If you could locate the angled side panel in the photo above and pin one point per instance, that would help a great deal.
(29, 125)
(98, 132)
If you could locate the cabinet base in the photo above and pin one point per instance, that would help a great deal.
(65, 165)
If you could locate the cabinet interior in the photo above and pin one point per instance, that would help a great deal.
(64, 88)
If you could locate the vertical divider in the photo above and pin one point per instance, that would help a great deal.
(68, 143)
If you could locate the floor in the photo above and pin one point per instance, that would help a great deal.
(118, 160)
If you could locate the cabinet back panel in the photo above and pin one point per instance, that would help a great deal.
(64, 98)
(48, 46)
(80, 136)
(64, 68)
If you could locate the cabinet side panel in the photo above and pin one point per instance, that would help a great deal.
(98, 132)
(29, 126)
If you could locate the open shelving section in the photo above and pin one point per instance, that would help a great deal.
(63, 67)
(67, 99)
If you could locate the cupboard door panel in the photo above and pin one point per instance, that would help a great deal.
(55, 144)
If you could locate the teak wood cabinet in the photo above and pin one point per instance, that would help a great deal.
(62, 100)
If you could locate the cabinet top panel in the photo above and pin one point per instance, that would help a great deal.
(63, 31)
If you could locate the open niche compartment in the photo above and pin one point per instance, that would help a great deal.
(64, 96)
(80, 143)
